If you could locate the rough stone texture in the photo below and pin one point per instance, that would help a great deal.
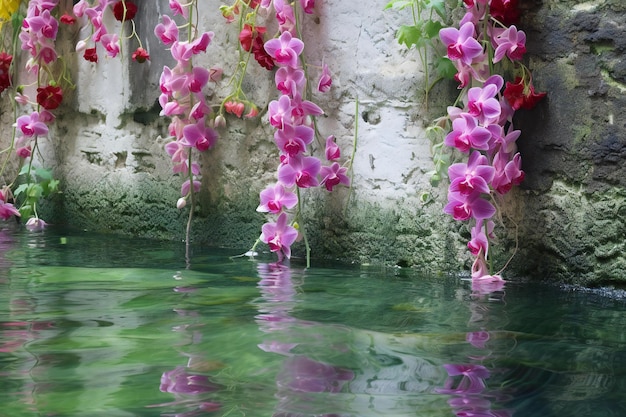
(569, 215)
(574, 144)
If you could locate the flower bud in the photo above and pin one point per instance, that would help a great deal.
(220, 121)
(81, 46)
(181, 203)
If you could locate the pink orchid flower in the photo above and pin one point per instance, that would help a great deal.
(301, 109)
(279, 236)
(293, 140)
(31, 125)
(510, 42)
(186, 187)
(177, 8)
(80, 7)
(274, 198)
(285, 49)
(479, 242)
(325, 80)
(43, 25)
(463, 207)
(307, 5)
(285, 16)
(35, 224)
(508, 172)
(198, 79)
(199, 136)
(7, 210)
(290, 81)
(301, 171)
(334, 175)
(111, 43)
(483, 105)
(279, 112)
(460, 43)
(167, 31)
(466, 134)
(332, 150)
(475, 175)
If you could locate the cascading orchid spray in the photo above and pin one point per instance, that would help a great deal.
(182, 99)
(483, 127)
(292, 115)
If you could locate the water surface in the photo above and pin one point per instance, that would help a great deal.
(94, 325)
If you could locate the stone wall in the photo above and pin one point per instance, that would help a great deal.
(569, 214)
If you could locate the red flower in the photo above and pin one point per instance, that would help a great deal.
(91, 55)
(522, 96)
(140, 55)
(49, 97)
(504, 11)
(260, 54)
(249, 34)
(67, 19)
(118, 10)
(5, 73)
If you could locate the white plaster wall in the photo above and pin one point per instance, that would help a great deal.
(100, 148)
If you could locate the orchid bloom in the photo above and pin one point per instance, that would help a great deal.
(461, 44)
(279, 112)
(473, 176)
(290, 81)
(332, 150)
(325, 80)
(199, 136)
(111, 44)
(285, 49)
(274, 198)
(301, 171)
(334, 175)
(479, 242)
(7, 209)
(463, 207)
(307, 5)
(482, 103)
(466, 134)
(178, 8)
(167, 31)
(293, 140)
(279, 236)
(31, 125)
(510, 42)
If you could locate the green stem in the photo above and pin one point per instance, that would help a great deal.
(302, 229)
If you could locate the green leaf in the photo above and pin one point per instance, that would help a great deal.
(35, 191)
(445, 68)
(431, 29)
(20, 189)
(399, 4)
(24, 170)
(26, 211)
(410, 36)
(439, 6)
(53, 186)
(44, 174)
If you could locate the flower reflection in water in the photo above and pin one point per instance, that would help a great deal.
(467, 382)
(191, 389)
(300, 375)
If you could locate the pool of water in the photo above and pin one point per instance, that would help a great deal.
(95, 325)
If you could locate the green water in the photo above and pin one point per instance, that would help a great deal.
(103, 326)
